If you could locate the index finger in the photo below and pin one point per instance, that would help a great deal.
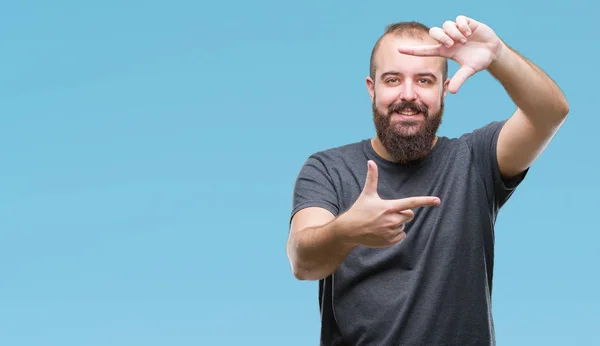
(421, 50)
(414, 202)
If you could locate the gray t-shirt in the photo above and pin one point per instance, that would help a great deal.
(434, 287)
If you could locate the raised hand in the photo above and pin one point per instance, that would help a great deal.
(473, 45)
(375, 222)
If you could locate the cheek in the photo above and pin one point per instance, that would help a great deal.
(385, 97)
(431, 99)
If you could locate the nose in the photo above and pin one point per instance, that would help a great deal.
(408, 93)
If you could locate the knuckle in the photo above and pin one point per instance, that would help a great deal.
(390, 209)
(388, 234)
(409, 214)
(399, 237)
(399, 224)
(436, 32)
(390, 225)
(389, 221)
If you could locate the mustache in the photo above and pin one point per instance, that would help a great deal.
(398, 107)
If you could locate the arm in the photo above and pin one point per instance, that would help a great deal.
(315, 247)
(319, 242)
(542, 109)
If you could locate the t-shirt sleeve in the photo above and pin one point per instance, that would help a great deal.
(483, 143)
(314, 187)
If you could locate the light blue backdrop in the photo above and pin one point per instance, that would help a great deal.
(149, 149)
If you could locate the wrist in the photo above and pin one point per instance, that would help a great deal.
(341, 231)
(502, 59)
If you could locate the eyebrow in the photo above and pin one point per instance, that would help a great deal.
(422, 74)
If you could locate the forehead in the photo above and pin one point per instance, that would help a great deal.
(389, 59)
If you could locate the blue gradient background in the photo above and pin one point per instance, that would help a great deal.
(149, 151)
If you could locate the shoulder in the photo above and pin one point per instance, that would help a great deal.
(322, 177)
(487, 132)
(332, 167)
(476, 143)
(346, 150)
(476, 147)
(340, 155)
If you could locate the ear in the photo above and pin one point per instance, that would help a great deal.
(370, 87)
(445, 86)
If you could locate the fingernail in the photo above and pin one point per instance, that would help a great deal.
(468, 32)
(464, 40)
(448, 43)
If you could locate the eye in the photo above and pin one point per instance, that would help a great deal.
(391, 80)
(424, 81)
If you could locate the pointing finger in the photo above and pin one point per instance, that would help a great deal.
(421, 50)
(414, 202)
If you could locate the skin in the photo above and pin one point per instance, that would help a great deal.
(542, 107)
(319, 242)
(406, 78)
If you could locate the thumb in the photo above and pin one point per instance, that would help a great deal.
(372, 177)
(459, 78)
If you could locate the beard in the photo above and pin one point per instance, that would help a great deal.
(407, 141)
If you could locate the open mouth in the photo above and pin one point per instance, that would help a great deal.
(408, 113)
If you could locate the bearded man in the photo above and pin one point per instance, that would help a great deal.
(399, 229)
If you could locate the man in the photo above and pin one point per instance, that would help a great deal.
(399, 229)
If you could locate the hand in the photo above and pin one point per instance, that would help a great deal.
(473, 45)
(375, 222)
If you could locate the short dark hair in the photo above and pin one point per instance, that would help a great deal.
(403, 29)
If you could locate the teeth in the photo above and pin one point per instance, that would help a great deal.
(408, 112)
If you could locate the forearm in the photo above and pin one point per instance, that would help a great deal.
(316, 252)
(533, 92)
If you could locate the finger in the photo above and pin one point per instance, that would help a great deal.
(372, 177)
(399, 237)
(414, 202)
(399, 228)
(452, 30)
(407, 215)
(459, 78)
(471, 23)
(462, 23)
(399, 217)
(440, 35)
(422, 50)
(396, 220)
